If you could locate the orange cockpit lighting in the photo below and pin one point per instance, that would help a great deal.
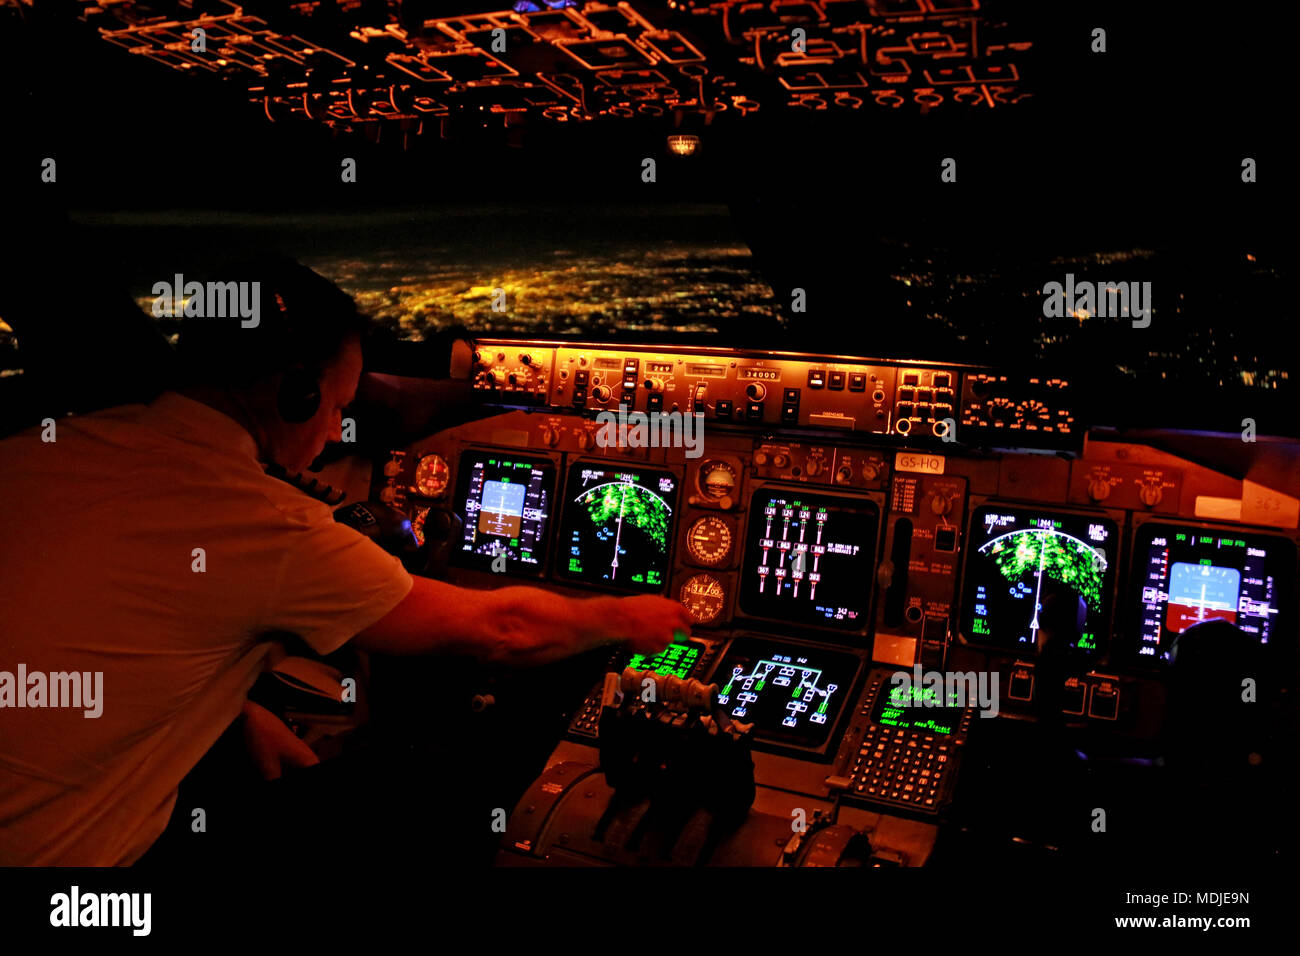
(683, 144)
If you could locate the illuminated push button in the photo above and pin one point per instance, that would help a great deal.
(857, 382)
(760, 458)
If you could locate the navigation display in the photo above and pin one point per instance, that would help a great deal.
(809, 558)
(792, 695)
(1189, 575)
(504, 501)
(1034, 575)
(617, 525)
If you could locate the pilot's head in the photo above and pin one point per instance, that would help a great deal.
(291, 368)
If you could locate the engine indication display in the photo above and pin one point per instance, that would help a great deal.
(617, 526)
(704, 598)
(504, 503)
(792, 695)
(1194, 574)
(1034, 575)
(708, 541)
(809, 558)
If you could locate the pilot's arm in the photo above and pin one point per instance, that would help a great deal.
(519, 626)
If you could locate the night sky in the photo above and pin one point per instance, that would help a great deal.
(1134, 154)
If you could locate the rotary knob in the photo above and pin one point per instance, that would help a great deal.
(654, 384)
(550, 435)
(941, 504)
(1099, 489)
(756, 391)
(393, 468)
(498, 377)
(780, 460)
(601, 393)
(813, 467)
(1150, 495)
(387, 494)
(586, 440)
(844, 476)
(870, 471)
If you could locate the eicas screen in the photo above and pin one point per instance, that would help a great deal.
(1034, 575)
(505, 503)
(617, 526)
(1190, 575)
(809, 558)
(792, 695)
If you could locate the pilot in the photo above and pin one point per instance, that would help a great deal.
(146, 556)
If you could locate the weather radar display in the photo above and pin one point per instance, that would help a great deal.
(617, 526)
(1036, 576)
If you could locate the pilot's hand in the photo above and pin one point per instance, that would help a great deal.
(649, 624)
(271, 744)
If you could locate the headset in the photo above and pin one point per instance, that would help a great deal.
(299, 396)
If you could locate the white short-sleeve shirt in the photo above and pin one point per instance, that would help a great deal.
(98, 557)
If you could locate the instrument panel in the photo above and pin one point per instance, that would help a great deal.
(821, 549)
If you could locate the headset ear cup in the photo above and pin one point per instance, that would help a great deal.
(299, 397)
